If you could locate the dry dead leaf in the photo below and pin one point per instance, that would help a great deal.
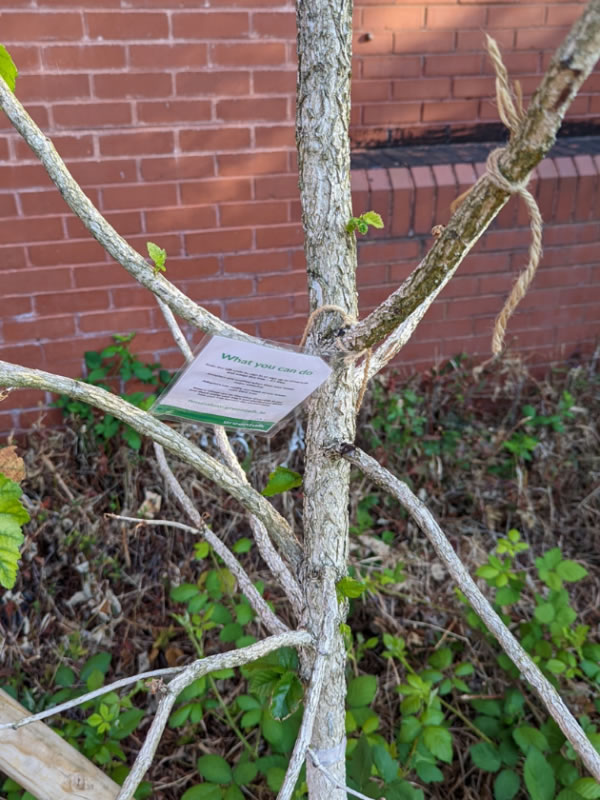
(12, 465)
(150, 506)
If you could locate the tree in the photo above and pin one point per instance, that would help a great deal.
(310, 573)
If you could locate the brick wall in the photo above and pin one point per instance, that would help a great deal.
(178, 123)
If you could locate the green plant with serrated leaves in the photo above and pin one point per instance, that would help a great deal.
(361, 224)
(116, 364)
(281, 480)
(13, 516)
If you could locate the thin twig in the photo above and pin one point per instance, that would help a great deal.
(263, 541)
(83, 698)
(176, 331)
(197, 669)
(269, 619)
(425, 520)
(333, 779)
(173, 441)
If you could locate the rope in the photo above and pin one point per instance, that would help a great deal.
(348, 320)
(510, 108)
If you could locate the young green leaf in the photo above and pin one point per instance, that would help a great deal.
(8, 70)
(506, 785)
(214, 768)
(486, 757)
(281, 480)
(349, 587)
(158, 256)
(361, 691)
(438, 741)
(372, 218)
(12, 517)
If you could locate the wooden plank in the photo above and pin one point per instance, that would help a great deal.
(42, 762)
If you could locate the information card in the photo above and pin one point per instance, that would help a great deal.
(242, 385)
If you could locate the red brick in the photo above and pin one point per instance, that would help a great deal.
(278, 186)
(214, 139)
(372, 44)
(252, 164)
(168, 55)
(14, 306)
(372, 274)
(389, 252)
(542, 38)
(46, 202)
(220, 241)
(8, 207)
(129, 319)
(253, 214)
(91, 115)
(12, 258)
(588, 188)
(96, 57)
(214, 191)
(446, 192)
(365, 91)
(133, 84)
(286, 328)
(455, 64)
(380, 200)
(35, 229)
(27, 355)
(124, 25)
(177, 219)
(71, 301)
(100, 275)
(106, 171)
(274, 81)
(184, 269)
(275, 136)
(142, 196)
(223, 289)
(402, 200)
(567, 187)
(44, 280)
(33, 26)
(424, 89)
(392, 18)
(563, 15)
(173, 111)
(248, 54)
(473, 87)
(547, 187)
(220, 83)
(391, 113)
(27, 57)
(274, 25)
(441, 17)
(292, 282)
(511, 17)
(139, 142)
(279, 236)
(37, 329)
(450, 111)
(210, 25)
(252, 263)
(242, 110)
(55, 253)
(424, 42)
(177, 168)
(53, 87)
(424, 199)
(38, 113)
(400, 67)
(258, 308)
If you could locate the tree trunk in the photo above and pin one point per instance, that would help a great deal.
(322, 118)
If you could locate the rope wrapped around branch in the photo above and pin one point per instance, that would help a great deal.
(510, 109)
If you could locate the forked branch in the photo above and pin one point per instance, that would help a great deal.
(427, 523)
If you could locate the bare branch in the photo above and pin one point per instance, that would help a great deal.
(258, 603)
(571, 65)
(147, 425)
(425, 520)
(102, 231)
(176, 331)
(263, 541)
(311, 705)
(83, 698)
(203, 666)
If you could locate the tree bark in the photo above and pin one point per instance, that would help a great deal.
(322, 119)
